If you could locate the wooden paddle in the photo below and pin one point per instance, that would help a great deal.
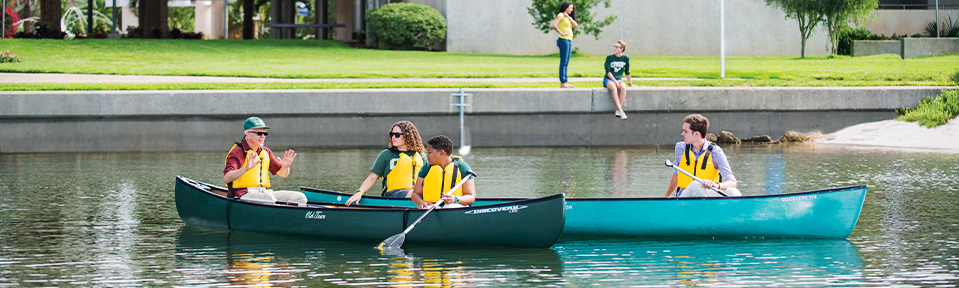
(670, 164)
(396, 241)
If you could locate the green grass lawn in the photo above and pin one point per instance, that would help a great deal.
(328, 59)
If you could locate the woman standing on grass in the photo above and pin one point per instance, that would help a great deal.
(617, 65)
(397, 164)
(564, 24)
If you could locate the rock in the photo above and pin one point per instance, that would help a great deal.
(758, 139)
(711, 137)
(793, 136)
(726, 137)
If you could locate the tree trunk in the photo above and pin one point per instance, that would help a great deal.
(248, 11)
(50, 13)
(803, 55)
(153, 18)
(25, 13)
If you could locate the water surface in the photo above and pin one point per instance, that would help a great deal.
(109, 219)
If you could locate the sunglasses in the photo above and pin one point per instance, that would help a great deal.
(261, 133)
(396, 135)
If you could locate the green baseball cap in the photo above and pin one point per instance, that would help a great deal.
(254, 122)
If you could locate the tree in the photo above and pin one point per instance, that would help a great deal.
(50, 14)
(544, 12)
(153, 16)
(838, 14)
(807, 12)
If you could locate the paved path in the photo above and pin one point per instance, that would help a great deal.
(91, 78)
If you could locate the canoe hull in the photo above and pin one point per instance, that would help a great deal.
(542, 218)
(829, 214)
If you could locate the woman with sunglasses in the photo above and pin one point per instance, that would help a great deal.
(397, 164)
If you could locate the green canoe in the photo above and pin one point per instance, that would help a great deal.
(527, 223)
(828, 213)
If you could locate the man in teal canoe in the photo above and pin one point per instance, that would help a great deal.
(249, 165)
(702, 158)
(442, 174)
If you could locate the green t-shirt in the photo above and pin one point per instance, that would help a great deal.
(617, 66)
(464, 169)
(387, 159)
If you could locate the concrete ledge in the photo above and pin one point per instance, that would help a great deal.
(211, 120)
(921, 47)
(876, 47)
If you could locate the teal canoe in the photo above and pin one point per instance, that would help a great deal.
(828, 214)
(527, 223)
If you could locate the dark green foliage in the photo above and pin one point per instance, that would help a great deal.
(848, 34)
(949, 28)
(42, 30)
(955, 77)
(545, 11)
(407, 26)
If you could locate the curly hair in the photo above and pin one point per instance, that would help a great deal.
(410, 135)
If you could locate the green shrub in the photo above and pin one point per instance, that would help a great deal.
(849, 34)
(949, 28)
(933, 111)
(407, 26)
(955, 77)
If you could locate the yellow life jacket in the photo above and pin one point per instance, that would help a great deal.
(701, 167)
(258, 176)
(440, 180)
(402, 172)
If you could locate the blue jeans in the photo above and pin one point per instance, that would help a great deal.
(565, 48)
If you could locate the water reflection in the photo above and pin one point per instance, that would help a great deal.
(257, 259)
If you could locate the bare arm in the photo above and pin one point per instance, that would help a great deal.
(417, 195)
(367, 184)
(629, 81)
(555, 24)
(673, 184)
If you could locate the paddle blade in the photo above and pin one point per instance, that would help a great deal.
(394, 242)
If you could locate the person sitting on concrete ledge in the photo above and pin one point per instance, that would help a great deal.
(616, 65)
(703, 159)
(249, 165)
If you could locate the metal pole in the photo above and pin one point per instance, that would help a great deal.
(226, 19)
(3, 20)
(89, 18)
(462, 135)
(114, 27)
(722, 36)
(937, 19)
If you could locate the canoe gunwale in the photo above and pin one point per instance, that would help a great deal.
(514, 199)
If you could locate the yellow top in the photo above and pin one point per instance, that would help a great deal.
(565, 26)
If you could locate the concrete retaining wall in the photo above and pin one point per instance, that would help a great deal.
(212, 120)
(876, 47)
(907, 47)
(920, 47)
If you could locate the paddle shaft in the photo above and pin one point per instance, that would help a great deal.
(468, 176)
(670, 164)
